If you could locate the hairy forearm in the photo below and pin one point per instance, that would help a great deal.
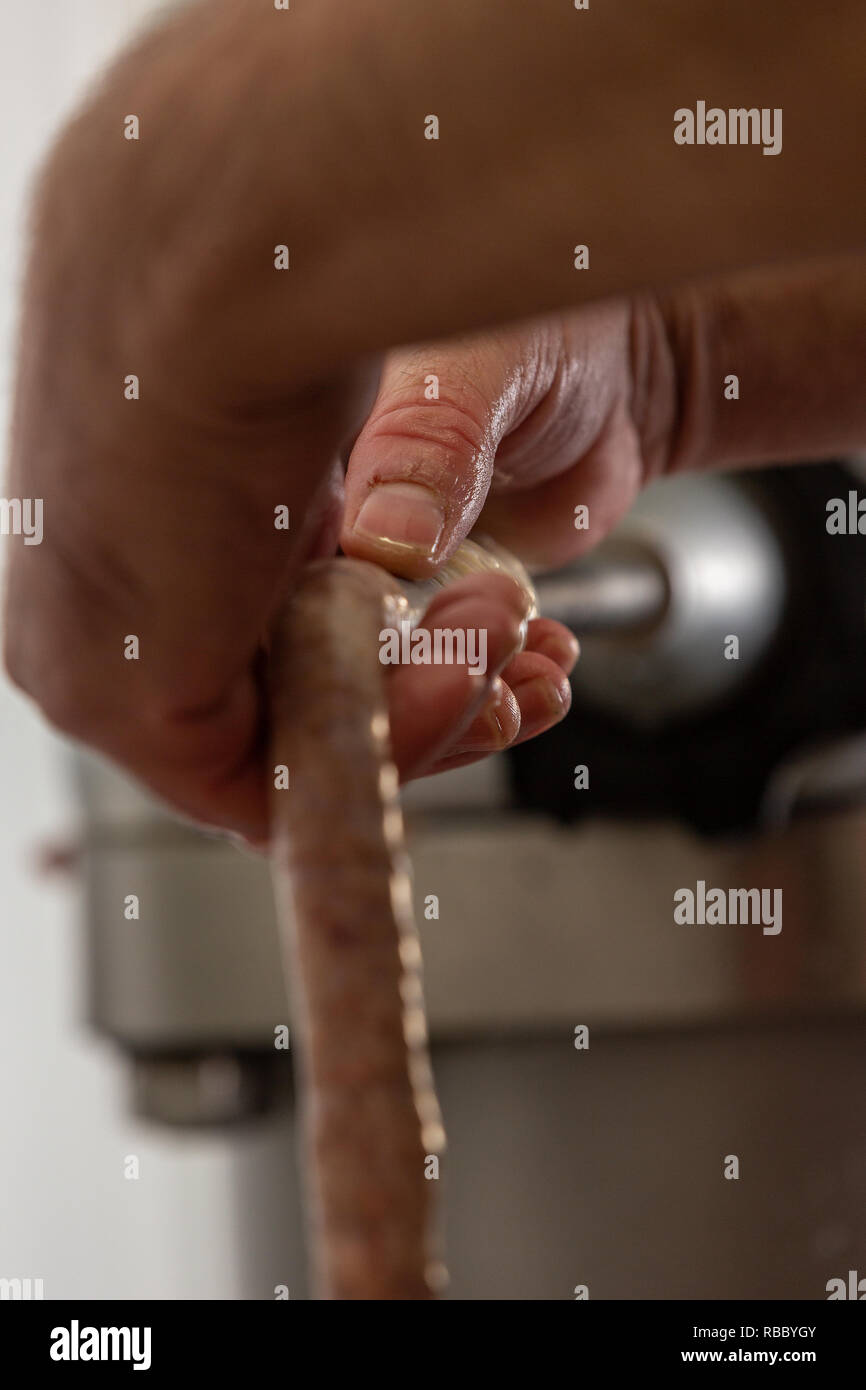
(306, 128)
(559, 131)
(556, 129)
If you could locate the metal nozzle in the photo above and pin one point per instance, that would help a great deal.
(622, 588)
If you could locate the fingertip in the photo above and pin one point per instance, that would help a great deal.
(496, 725)
(542, 691)
(549, 638)
(487, 587)
(399, 525)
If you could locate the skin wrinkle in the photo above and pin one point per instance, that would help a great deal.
(456, 435)
(465, 490)
(547, 355)
(694, 447)
(474, 425)
(488, 415)
(681, 343)
(573, 411)
(655, 402)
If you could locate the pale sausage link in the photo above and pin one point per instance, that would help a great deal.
(341, 878)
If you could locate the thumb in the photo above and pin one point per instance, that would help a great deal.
(420, 469)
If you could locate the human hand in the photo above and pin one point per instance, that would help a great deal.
(159, 512)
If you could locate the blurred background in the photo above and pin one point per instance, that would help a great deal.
(148, 1118)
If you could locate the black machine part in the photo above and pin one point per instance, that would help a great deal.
(666, 724)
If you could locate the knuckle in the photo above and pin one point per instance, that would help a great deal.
(454, 430)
